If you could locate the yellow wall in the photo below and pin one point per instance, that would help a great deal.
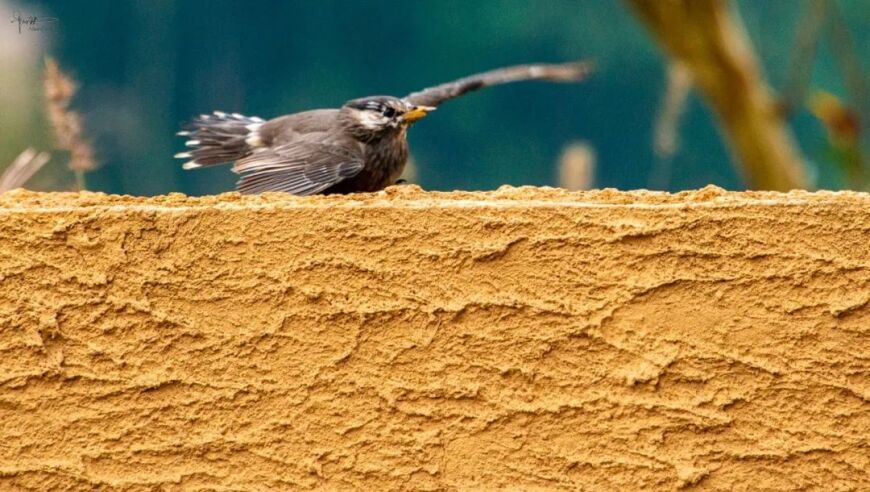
(523, 338)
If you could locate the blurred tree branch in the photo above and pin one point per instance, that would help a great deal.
(709, 39)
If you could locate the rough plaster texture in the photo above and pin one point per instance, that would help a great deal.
(522, 339)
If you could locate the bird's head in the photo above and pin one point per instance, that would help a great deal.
(377, 115)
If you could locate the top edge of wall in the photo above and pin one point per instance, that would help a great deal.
(414, 196)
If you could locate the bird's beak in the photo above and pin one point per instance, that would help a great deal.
(416, 113)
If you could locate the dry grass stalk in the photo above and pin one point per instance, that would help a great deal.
(843, 125)
(806, 40)
(847, 57)
(67, 124)
(666, 131)
(22, 169)
(577, 166)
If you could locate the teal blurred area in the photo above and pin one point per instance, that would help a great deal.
(145, 67)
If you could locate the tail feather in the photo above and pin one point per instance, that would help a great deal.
(219, 138)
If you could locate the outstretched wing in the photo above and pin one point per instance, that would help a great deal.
(303, 167)
(565, 72)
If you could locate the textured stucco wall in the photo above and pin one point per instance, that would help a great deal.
(524, 338)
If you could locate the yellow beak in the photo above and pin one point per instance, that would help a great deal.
(416, 113)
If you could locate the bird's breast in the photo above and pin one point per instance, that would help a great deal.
(385, 160)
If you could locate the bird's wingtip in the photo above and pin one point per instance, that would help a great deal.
(568, 72)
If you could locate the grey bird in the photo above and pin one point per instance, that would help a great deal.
(360, 147)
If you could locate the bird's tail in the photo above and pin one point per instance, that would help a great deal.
(218, 138)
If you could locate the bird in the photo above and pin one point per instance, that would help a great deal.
(360, 147)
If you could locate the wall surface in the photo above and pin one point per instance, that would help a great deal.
(525, 338)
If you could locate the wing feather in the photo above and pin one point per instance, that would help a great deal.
(302, 167)
(565, 72)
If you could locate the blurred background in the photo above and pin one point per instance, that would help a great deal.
(143, 68)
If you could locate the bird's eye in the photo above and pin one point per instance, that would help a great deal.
(389, 112)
